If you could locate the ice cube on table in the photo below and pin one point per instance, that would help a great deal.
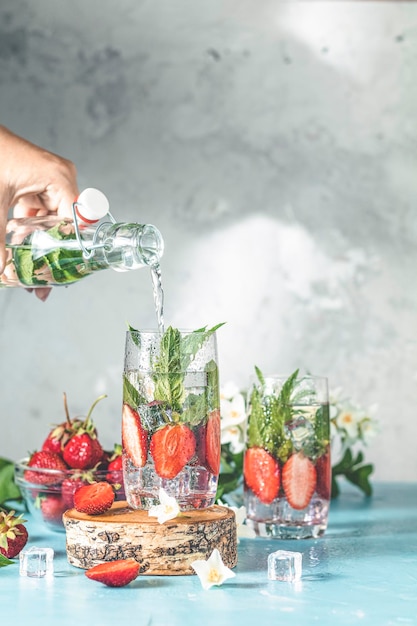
(36, 562)
(285, 565)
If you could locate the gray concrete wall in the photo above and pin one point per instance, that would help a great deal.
(275, 146)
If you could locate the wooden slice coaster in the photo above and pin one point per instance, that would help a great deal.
(161, 549)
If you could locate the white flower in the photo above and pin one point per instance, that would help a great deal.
(368, 429)
(233, 411)
(213, 571)
(243, 531)
(235, 437)
(348, 420)
(228, 390)
(233, 419)
(166, 510)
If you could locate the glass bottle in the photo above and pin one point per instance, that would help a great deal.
(50, 251)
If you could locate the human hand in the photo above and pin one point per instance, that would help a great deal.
(35, 182)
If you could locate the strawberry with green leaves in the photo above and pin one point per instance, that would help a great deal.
(60, 434)
(13, 534)
(117, 573)
(83, 449)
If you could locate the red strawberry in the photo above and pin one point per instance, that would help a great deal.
(134, 437)
(172, 447)
(213, 442)
(299, 478)
(70, 485)
(83, 450)
(13, 534)
(114, 573)
(115, 467)
(262, 474)
(45, 460)
(94, 499)
(52, 507)
(60, 434)
(324, 476)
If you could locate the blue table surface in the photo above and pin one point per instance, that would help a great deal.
(363, 571)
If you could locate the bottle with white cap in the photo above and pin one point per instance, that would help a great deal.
(50, 251)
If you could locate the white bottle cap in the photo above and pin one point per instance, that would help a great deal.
(91, 205)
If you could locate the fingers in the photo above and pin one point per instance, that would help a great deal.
(4, 209)
(42, 293)
(29, 206)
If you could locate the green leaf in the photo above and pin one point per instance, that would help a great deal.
(354, 471)
(176, 353)
(230, 472)
(135, 334)
(360, 478)
(335, 491)
(8, 488)
(131, 395)
(268, 415)
(344, 464)
(4, 561)
(195, 409)
(287, 389)
(23, 263)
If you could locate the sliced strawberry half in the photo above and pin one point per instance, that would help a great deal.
(94, 499)
(114, 573)
(134, 436)
(262, 474)
(172, 447)
(299, 477)
(213, 442)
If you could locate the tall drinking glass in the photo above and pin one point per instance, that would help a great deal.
(287, 470)
(171, 417)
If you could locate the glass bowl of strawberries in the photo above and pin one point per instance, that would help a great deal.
(71, 456)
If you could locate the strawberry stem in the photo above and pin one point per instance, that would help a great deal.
(66, 410)
(87, 419)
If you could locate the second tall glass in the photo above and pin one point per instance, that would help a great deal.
(287, 467)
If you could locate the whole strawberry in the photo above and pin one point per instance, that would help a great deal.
(115, 467)
(13, 534)
(52, 507)
(50, 461)
(61, 433)
(72, 483)
(83, 450)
